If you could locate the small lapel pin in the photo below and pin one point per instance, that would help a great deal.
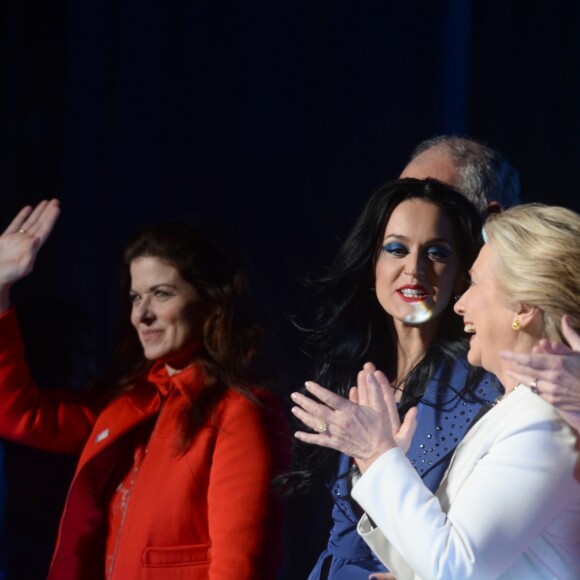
(102, 435)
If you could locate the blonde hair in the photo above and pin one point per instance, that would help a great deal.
(538, 260)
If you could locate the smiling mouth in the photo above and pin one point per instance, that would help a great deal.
(469, 328)
(150, 335)
(413, 294)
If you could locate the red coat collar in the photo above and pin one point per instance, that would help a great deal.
(186, 381)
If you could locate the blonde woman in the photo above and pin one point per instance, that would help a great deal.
(509, 504)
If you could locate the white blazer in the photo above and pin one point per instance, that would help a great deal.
(508, 506)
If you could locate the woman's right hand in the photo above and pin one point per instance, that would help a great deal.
(364, 427)
(20, 243)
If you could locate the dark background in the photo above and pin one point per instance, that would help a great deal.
(277, 119)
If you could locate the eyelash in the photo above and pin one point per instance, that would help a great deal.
(438, 254)
(134, 298)
(435, 253)
(397, 250)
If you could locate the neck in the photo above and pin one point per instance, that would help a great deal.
(412, 343)
(171, 370)
(509, 383)
(524, 344)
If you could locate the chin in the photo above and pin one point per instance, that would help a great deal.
(474, 359)
(153, 355)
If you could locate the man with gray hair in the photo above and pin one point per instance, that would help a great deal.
(482, 174)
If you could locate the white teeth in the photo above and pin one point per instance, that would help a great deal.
(408, 293)
(469, 328)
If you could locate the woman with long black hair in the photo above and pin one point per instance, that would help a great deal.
(388, 297)
(509, 503)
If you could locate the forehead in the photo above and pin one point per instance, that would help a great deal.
(417, 218)
(149, 270)
(484, 261)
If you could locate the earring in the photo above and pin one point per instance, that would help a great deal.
(516, 324)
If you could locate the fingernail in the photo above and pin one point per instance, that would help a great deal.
(293, 396)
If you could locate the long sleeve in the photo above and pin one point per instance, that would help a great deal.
(510, 489)
(244, 517)
(46, 419)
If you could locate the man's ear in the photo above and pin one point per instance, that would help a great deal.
(493, 207)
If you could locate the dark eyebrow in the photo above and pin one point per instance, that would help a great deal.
(406, 239)
(166, 284)
(156, 287)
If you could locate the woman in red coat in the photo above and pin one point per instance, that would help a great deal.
(178, 451)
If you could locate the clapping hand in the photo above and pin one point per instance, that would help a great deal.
(364, 426)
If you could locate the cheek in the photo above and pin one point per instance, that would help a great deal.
(182, 329)
(385, 273)
(183, 333)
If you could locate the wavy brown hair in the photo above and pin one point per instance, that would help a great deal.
(231, 333)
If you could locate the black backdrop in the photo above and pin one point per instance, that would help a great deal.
(275, 118)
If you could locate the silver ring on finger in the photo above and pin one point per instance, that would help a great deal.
(21, 231)
(534, 387)
(322, 428)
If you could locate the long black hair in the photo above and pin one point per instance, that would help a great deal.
(349, 327)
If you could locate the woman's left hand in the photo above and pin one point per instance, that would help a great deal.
(364, 427)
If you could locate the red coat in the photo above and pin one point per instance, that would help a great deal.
(205, 514)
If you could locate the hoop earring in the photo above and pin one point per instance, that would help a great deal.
(516, 324)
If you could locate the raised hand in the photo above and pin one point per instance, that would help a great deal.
(402, 433)
(21, 241)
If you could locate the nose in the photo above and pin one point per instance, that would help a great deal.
(142, 311)
(459, 306)
(414, 265)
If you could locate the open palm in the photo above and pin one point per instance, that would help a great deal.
(23, 238)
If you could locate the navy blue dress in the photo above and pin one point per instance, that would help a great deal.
(442, 420)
